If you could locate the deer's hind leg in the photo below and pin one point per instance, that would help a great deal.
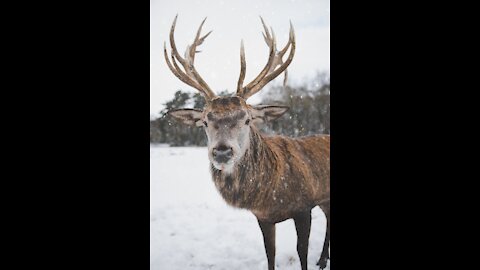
(322, 262)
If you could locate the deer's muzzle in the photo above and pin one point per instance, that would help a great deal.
(222, 153)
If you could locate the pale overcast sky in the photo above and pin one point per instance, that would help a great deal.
(231, 21)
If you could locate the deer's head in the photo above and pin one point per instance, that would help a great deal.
(227, 120)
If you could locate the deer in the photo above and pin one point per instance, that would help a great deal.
(273, 176)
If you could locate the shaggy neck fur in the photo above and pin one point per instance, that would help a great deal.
(278, 176)
(250, 179)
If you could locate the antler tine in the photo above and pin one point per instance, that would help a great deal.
(278, 59)
(198, 41)
(271, 44)
(273, 73)
(190, 76)
(285, 77)
(291, 36)
(172, 43)
(284, 50)
(192, 58)
(242, 69)
(177, 71)
(266, 36)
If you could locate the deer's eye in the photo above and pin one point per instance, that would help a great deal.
(205, 124)
(247, 122)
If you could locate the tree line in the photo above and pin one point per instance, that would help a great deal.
(309, 113)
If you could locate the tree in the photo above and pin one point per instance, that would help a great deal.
(309, 108)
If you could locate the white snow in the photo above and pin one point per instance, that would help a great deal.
(191, 227)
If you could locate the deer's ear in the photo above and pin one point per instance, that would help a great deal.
(187, 116)
(267, 112)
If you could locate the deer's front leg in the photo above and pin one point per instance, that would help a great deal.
(302, 224)
(268, 231)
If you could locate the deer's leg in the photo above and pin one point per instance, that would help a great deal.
(325, 253)
(268, 231)
(302, 224)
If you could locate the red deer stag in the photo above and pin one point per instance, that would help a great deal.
(275, 177)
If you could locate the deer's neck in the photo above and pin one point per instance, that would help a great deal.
(246, 185)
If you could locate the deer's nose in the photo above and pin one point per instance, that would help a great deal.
(222, 153)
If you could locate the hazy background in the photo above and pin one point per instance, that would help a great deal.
(231, 21)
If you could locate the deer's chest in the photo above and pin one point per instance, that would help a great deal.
(234, 191)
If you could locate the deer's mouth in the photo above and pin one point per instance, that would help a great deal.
(226, 167)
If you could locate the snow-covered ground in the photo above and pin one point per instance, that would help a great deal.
(191, 227)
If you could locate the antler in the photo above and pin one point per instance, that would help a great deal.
(269, 72)
(189, 75)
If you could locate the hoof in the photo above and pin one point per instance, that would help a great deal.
(322, 263)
